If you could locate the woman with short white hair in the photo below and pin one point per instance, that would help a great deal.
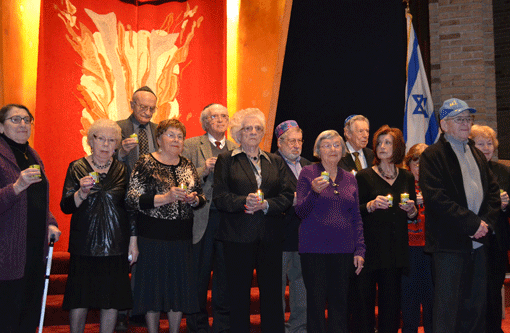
(102, 233)
(251, 193)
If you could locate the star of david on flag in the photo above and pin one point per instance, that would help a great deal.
(420, 123)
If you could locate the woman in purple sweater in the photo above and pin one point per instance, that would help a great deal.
(331, 240)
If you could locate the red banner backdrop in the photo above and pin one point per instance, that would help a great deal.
(94, 53)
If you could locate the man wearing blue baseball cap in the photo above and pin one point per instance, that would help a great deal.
(462, 204)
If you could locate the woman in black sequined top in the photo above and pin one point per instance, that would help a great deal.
(165, 188)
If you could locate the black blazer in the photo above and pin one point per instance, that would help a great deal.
(501, 228)
(292, 221)
(347, 163)
(234, 179)
(448, 221)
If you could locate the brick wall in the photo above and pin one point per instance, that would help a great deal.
(462, 55)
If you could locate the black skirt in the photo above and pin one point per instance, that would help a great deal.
(164, 279)
(98, 282)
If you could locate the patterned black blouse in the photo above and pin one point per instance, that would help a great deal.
(150, 177)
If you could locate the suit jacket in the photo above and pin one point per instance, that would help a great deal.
(234, 179)
(347, 163)
(501, 228)
(197, 150)
(448, 221)
(13, 215)
(128, 128)
(292, 221)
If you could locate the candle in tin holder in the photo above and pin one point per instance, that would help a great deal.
(353, 172)
(404, 198)
(260, 194)
(134, 136)
(390, 200)
(183, 186)
(36, 166)
(325, 175)
(95, 176)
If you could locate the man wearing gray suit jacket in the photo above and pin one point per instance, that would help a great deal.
(208, 252)
(143, 105)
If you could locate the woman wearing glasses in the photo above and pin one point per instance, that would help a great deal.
(102, 235)
(331, 234)
(26, 224)
(387, 197)
(165, 189)
(251, 192)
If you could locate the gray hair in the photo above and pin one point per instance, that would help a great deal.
(236, 123)
(206, 112)
(351, 121)
(286, 134)
(101, 125)
(329, 134)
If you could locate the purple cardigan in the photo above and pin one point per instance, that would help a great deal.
(13, 216)
(331, 221)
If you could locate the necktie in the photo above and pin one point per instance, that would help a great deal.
(357, 161)
(218, 144)
(143, 142)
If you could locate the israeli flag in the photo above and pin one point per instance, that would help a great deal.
(420, 123)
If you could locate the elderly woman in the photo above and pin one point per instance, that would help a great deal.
(331, 234)
(385, 217)
(251, 193)
(164, 189)
(102, 236)
(417, 288)
(26, 224)
(485, 140)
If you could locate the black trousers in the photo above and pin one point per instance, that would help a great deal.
(208, 256)
(460, 294)
(20, 300)
(387, 283)
(326, 278)
(497, 261)
(266, 258)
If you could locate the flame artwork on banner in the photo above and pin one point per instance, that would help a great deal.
(93, 54)
(116, 60)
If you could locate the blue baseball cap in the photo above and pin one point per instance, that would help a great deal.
(453, 107)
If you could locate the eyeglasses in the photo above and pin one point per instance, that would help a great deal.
(462, 120)
(103, 140)
(17, 119)
(294, 141)
(174, 137)
(329, 146)
(218, 117)
(249, 129)
(146, 107)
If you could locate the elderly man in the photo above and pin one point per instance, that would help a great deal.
(207, 252)
(290, 143)
(143, 106)
(462, 203)
(356, 139)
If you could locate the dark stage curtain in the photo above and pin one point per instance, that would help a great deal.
(343, 57)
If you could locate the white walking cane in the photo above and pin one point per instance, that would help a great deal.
(46, 282)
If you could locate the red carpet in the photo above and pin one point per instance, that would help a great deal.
(57, 320)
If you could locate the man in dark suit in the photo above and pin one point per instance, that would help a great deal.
(202, 151)
(356, 133)
(290, 143)
(143, 105)
(462, 204)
